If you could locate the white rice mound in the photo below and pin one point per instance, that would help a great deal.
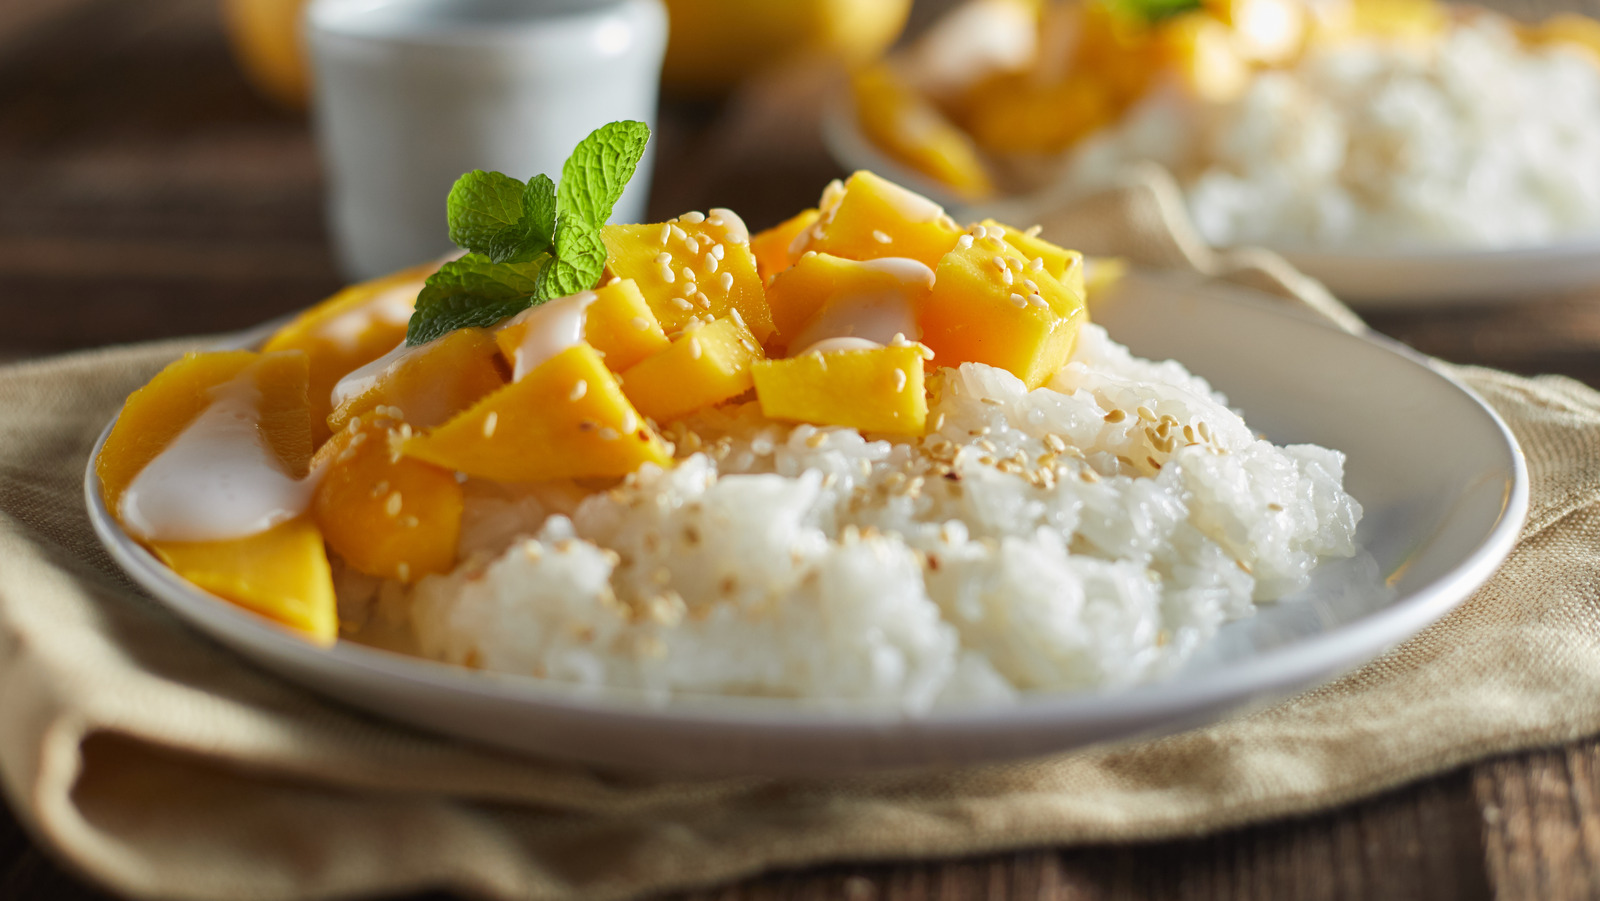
(1474, 141)
(1090, 533)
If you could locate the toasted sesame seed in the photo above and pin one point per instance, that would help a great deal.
(881, 236)
(663, 258)
(718, 251)
(692, 217)
(679, 233)
(938, 422)
(688, 274)
(998, 261)
(711, 263)
(701, 299)
(1018, 301)
(1037, 301)
(1204, 430)
(1005, 276)
(964, 242)
(900, 380)
(1116, 415)
(1188, 433)
(666, 234)
(727, 281)
(694, 348)
(1031, 285)
(816, 440)
(1146, 413)
(489, 423)
(1152, 462)
(667, 275)
(391, 505)
(682, 304)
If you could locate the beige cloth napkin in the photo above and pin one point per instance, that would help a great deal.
(164, 766)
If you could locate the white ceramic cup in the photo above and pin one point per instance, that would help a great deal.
(410, 94)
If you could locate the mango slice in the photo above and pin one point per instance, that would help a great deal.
(1065, 265)
(771, 247)
(1012, 114)
(821, 284)
(706, 365)
(155, 414)
(386, 515)
(618, 324)
(877, 390)
(348, 330)
(567, 418)
(678, 270)
(282, 574)
(431, 383)
(989, 305)
(878, 218)
(900, 121)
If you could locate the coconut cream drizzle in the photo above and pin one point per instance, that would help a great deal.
(870, 317)
(552, 328)
(392, 307)
(735, 230)
(360, 380)
(219, 479)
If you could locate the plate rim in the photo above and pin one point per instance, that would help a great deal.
(1293, 666)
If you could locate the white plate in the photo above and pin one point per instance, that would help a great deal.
(1441, 479)
(1363, 279)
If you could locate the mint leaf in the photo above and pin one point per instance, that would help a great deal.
(485, 208)
(599, 168)
(473, 290)
(580, 259)
(539, 214)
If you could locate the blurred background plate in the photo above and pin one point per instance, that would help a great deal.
(1441, 480)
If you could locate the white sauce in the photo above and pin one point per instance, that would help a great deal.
(829, 345)
(736, 231)
(361, 380)
(392, 307)
(911, 206)
(873, 316)
(218, 480)
(553, 327)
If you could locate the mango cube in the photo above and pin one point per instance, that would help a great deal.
(348, 330)
(989, 306)
(683, 275)
(431, 383)
(878, 390)
(566, 419)
(621, 326)
(875, 217)
(282, 574)
(899, 120)
(1207, 56)
(772, 247)
(385, 515)
(1012, 114)
(1065, 265)
(706, 365)
(845, 297)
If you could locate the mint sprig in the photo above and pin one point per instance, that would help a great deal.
(527, 242)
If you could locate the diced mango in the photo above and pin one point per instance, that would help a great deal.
(877, 390)
(387, 516)
(877, 218)
(281, 573)
(1206, 55)
(567, 418)
(157, 413)
(1065, 265)
(431, 383)
(772, 247)
(676, 268)
(900, 121)
(706, 365)
(621, 326)
(1012, 114)
(820, 282)
(1026, 326)
(348, 330)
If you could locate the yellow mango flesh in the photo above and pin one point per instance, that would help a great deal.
(433, 382)
(877, 218)
(1567, 28)
(157, 413)
(706, 365)
(281, 573)
(877, 390)
(567, 418)
(386, 515)
(1065, 265)
(802, 292)
(900, 121)
(973, 315)
(1207, 57)
(709, 290)
(771, 247)
(349, 330)
(621, 326)
(1013, 114)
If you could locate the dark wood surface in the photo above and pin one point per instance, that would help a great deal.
(145, 191)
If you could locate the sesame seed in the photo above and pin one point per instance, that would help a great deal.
(688, 274)
(882, 237)
(701, 299)
(816, 440)
(682, 304)
(615, 279)
(666, 274)
(1031, 285)
(964, 242)
(694, 348)
(1205, 431)
(938, 422)
(640, 324)
(718, 251)
(996, 232)
(391, 506)
(630, 421)
(1018, 301)
(1037, 301)
(679, 233)
(998, 261)
(609, 434)
(663, 258)
(1116, 416)
(489, 423)
(980, 232)
(1146, 413)
(692, 217)
(727, 281)
(711, 263)
(1005, 276)
(900, 380)
(1036, 264)
(666, 234)
(579, 389)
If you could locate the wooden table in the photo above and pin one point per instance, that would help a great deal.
(146, 192)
